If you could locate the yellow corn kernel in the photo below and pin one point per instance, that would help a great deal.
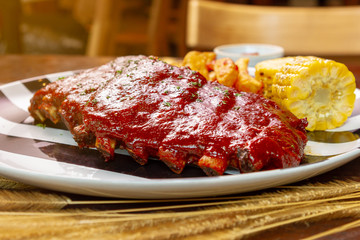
(319, 89)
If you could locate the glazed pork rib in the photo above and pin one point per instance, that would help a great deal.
(153, 109)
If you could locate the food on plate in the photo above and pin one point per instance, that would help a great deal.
(310, 87)
(223, 70)
(178, 62)
(245, 81)
(199, 61)
(153, 109)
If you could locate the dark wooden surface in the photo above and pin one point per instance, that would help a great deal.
(17, 67)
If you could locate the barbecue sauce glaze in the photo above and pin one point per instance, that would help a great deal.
(153, 109)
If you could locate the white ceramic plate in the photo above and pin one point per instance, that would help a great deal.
(49, 158)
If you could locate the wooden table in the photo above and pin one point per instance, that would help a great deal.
(16, 67)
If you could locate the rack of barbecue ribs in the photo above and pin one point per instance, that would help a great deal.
(153, 109)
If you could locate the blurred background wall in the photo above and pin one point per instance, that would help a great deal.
(105, 27)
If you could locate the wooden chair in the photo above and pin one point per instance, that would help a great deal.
(163, 23)
(10, 36)
(167, 26)
(322, 31)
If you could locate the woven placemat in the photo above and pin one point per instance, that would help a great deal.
(27, 212)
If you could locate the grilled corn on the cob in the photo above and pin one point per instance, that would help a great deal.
(319, 89)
